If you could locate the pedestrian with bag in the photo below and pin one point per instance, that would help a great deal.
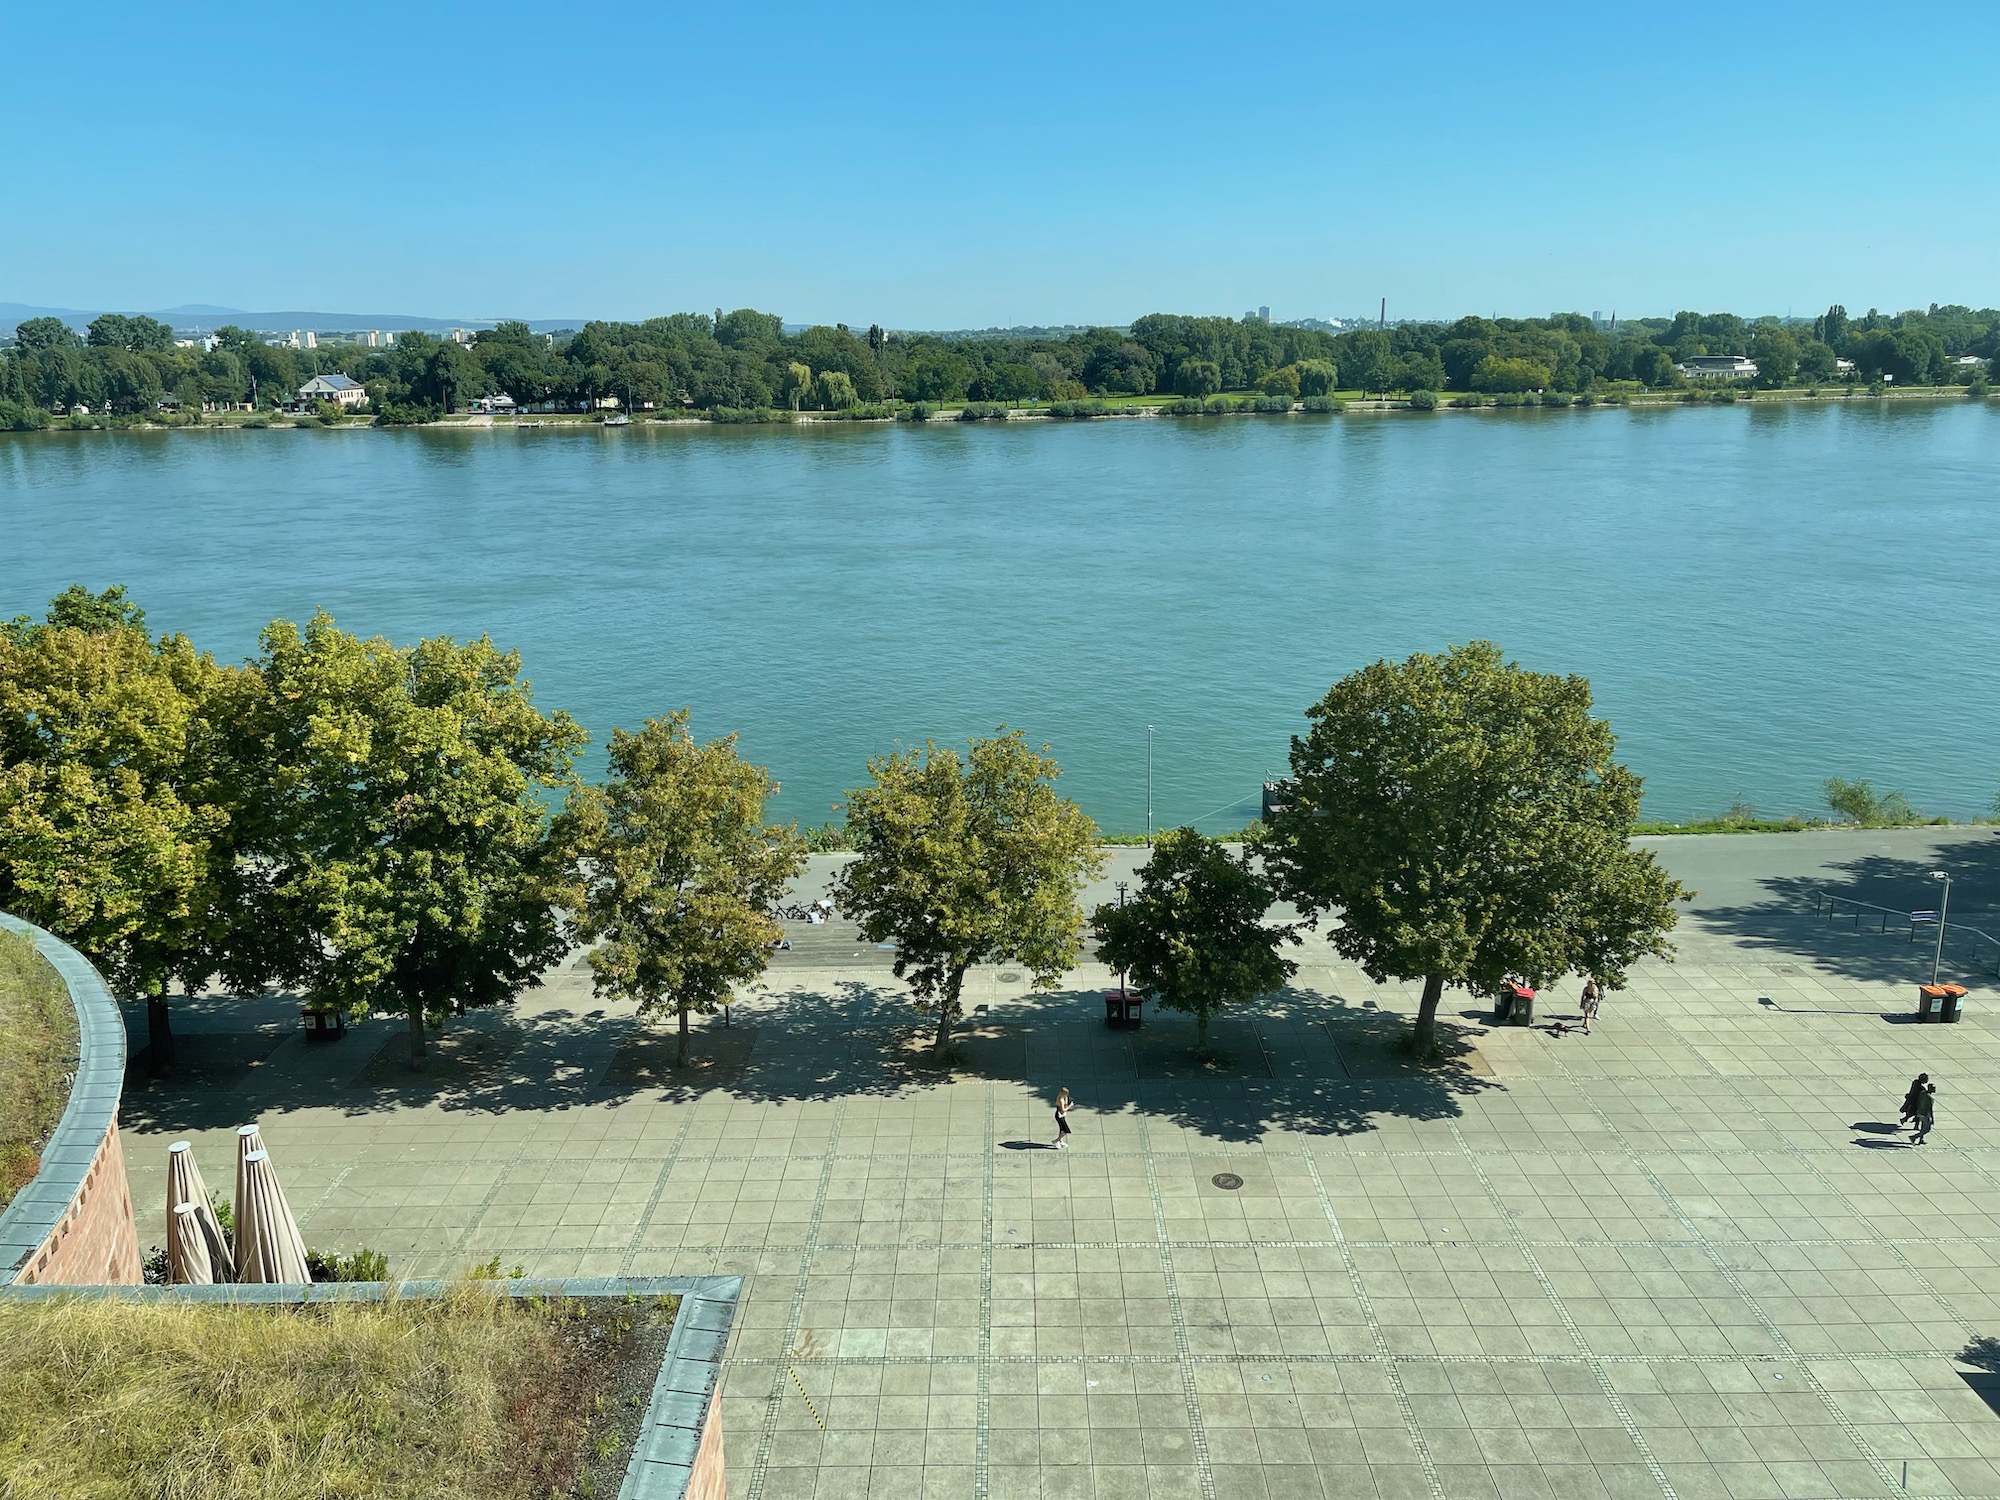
(1926, 1103)
(1062, 1118)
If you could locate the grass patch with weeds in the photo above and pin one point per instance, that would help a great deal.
(468, 1394)
(37, 1054)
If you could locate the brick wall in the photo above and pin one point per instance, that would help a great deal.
(708, 1482)
(95, 1241)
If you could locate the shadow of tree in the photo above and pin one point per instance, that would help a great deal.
(1784, 922)
(1281, 1070)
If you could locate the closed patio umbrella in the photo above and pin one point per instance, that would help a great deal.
(185, 1185)
(268, 1246)
(249, 1139)
(187, 1247)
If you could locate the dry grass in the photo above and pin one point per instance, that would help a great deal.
(37, 1046)
(471, 1394)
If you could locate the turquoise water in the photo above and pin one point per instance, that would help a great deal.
(1762, 596)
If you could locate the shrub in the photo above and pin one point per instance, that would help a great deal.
(990, 411)
(403, 414)
(1221, 406)
(1858, 802)
(1512, 398)
(1423, 401)
(918, 411)
(1555, 398)
(1586, 399)
(259, 422)
(1078, 409)
(18, 418)
(1185, 406)
(1468, 402)
(362, 1265)
(1272, 405)
(1324, 405)
(750, 415)
(1067, 390)
(1284, 381)
(876, 412)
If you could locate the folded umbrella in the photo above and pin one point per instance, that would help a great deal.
(185, 1185)
(249, 1139)
(268, 1246)
(187, 1247)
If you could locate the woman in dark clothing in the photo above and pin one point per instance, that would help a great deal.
(1912, 1095)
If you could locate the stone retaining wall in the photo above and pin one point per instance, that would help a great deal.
(73, 1224)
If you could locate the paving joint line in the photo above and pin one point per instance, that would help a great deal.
(983, 1390)
(1432, 1479)
(1183, 1347)
(667, 1162)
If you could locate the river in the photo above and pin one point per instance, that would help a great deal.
(1762, 596)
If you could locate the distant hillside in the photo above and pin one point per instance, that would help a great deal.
(194, 315)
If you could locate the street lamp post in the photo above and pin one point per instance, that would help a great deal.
(1944, 909)
(1149, 786)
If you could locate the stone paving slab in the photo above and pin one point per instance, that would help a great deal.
(1686, 1256)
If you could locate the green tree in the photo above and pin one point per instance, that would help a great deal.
(1466, 822)
(1777, 355)
(1318, 377)
(1858, 802)
(1194, 935)
(406, 831)
(1816, 363)
(796, 384)
(678, 871)
(1367, 360)
(833, 390)
(1653, 366)
(967, 861)
(1283, 381)
(1198, 377)
(39, 334)
(120, 791)
(1496, 373)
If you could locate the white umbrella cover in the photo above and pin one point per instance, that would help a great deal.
(249, 1139)
(268, 1246)
(187, 1247)
(185, 1185)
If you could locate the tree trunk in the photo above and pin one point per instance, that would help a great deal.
(159, 1037)
(1425, 1038)
(681, 1045)
(418, 1057)
(948, 1010)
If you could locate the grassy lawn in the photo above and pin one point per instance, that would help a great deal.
(471, 1394)
(37, 1046)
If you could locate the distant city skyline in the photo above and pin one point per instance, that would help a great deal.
(962, 175)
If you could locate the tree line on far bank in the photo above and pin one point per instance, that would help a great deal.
(746, 361)
(401, 830)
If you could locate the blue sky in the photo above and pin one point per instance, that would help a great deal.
(964, 166)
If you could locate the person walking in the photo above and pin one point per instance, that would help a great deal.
(1593, 996)
(1062, 1118)
(1926, 1103)
(1911, 1095)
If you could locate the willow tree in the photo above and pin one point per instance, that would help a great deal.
(963, 861)
(678, 871)
(406, 828)
(1465, 822)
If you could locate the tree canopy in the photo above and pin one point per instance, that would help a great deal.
(967, 860)
(1464, 820)
(678, 871)
(1194, 935)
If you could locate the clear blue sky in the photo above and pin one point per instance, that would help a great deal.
(957, 166)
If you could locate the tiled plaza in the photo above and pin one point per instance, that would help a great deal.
(1686, 1256)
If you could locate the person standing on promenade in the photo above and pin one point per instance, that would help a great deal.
(1062, 1118)
(1926, 1103)
(1911, 1095)
(1593, 996)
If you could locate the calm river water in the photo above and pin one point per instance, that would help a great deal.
(1762, 596)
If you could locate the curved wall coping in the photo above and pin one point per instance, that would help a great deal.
(91, 1112)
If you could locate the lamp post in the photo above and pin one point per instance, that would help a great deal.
(1149, 786)
(1944, 908)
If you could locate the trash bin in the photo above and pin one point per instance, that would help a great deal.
(1940, 1003)
(1503, 1002)
(1514, 1006)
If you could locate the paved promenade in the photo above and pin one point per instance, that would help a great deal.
(1685, 1257)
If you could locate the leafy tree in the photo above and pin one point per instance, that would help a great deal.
(797, 383)
(1653, 365)
(1198, 377)
(1318, 377)
(967, 861)
(1858, 802)
(1367, 360)
(1777, 355)
(1816, 363)
(678, 871)
(134, 335)
(834, 391)
(40, 334)
(1283, 381)
(120, 791)
(404, 825)
(1194, 936)
(1497, 374)
(1466, 822)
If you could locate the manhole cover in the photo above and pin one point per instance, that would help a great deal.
(1227, 1180)
(1010, 978)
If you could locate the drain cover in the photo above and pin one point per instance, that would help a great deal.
(1010, 978)
(1227, 1180)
